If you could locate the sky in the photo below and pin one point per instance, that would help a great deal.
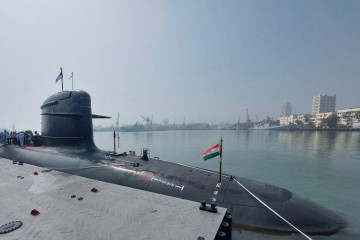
(198, 61)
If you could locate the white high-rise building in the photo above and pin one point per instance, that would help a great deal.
(323, 104)
(286, 109)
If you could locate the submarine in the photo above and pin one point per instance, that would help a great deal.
(67, 145)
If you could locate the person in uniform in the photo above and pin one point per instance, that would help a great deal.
(21, 138)
(14, 137)
(7, 137)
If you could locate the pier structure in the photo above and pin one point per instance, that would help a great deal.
(39, 203)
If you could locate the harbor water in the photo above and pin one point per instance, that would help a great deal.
(322, 166)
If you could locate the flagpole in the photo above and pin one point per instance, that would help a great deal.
(221, 140)
(62, 85)
(114, 143)
(72, 80)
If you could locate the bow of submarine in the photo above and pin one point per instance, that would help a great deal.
(305, 214)
(247, 212)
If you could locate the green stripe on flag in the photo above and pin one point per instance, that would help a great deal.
(211, 155)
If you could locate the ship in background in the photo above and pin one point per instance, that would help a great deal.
(266, 124)
(269, 124)
(149, 126)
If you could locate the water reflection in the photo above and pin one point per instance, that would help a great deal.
(323, 144)
(318, 144)
(149, 136)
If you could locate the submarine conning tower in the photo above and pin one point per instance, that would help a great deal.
(67, 120)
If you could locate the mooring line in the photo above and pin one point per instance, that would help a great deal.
(255, 198)
(272, 209)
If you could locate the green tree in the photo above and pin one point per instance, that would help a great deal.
(348, 120)
(357, 115)
(308, 121)
(331, 121)
(299, 123)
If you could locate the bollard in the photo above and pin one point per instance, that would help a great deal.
(225, 227)
(220, 235)
(228, 219)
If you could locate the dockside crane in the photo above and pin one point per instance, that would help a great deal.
(148, 121)
(248, 120)
(117, 120)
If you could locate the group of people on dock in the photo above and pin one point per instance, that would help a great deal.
(20, 138)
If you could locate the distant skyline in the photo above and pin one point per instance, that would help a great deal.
(202, 61)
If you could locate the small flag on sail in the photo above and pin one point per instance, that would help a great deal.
(72, 75)
(60, 77)
(211, 152)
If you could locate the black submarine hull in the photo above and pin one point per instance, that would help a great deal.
(73, 151)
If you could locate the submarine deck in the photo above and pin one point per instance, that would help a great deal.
(114, 212)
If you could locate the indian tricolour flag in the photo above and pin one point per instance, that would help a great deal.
(211, 152)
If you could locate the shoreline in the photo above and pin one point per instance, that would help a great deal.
(292, 129)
